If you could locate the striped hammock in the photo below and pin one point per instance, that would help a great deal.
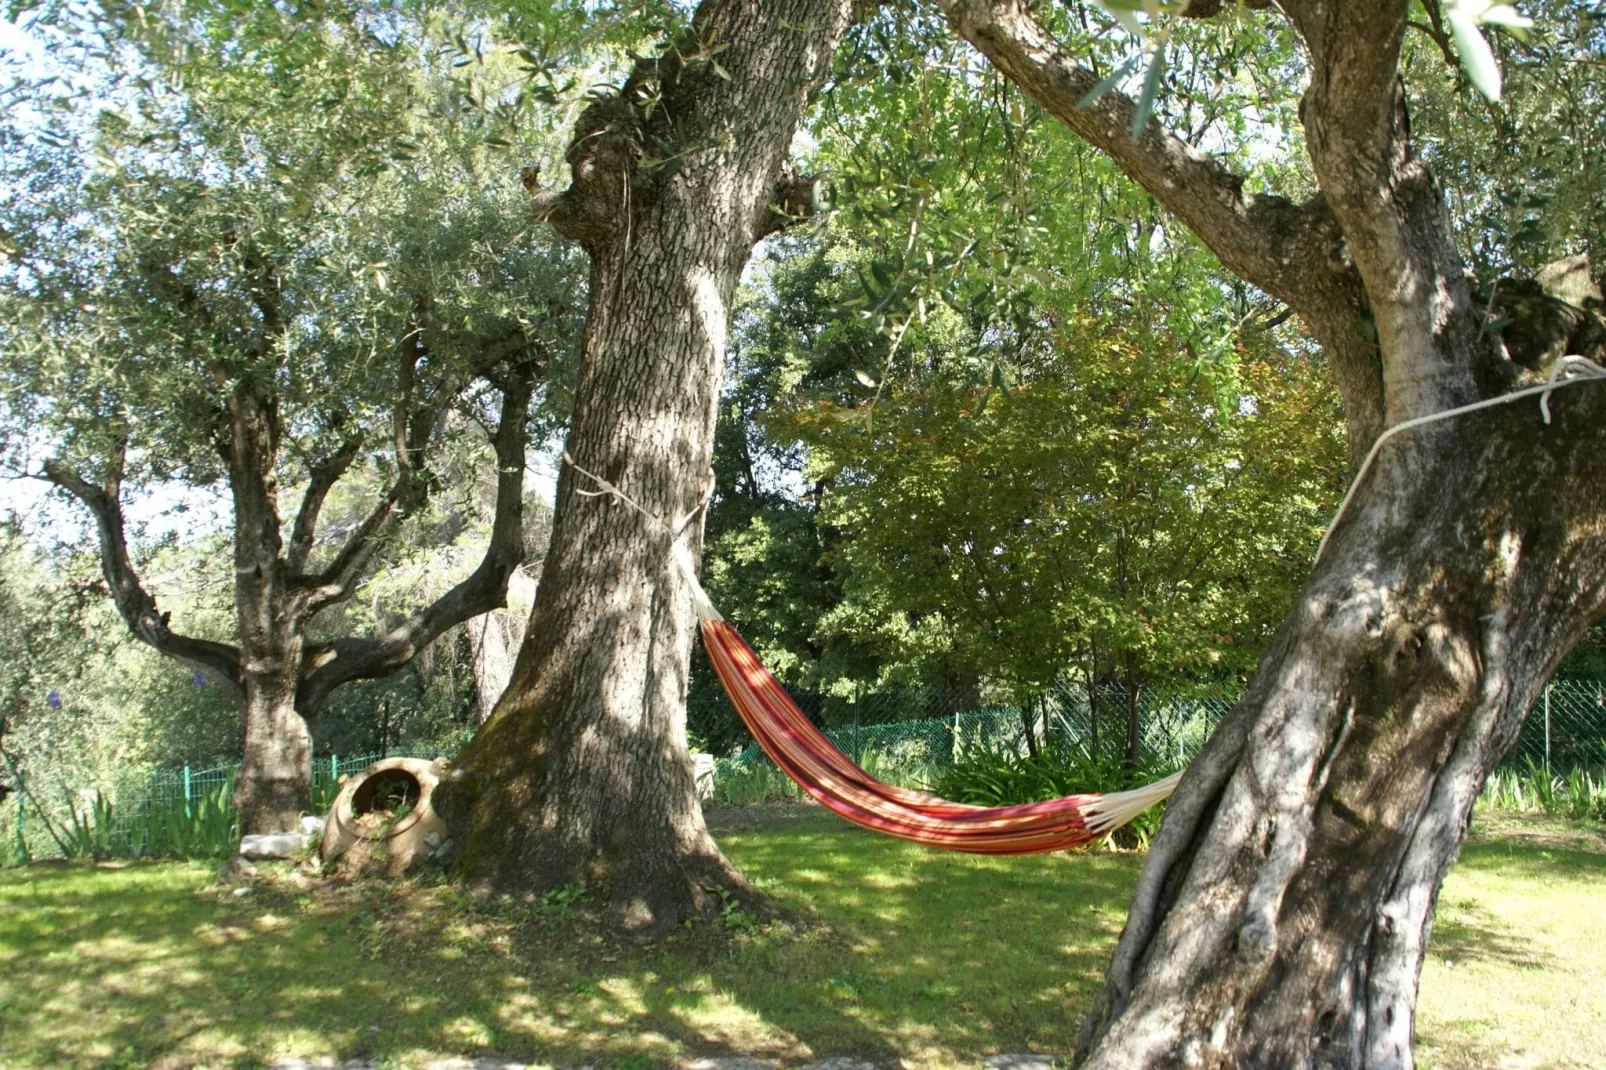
(804, 753)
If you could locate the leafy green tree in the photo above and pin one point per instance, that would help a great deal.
(271, 273)
(1123, 512)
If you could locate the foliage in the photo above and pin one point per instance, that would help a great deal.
(925, 956)
(1579, 794)
(1522, 179)
(971, 234)
(1123, 505)
(332, 230)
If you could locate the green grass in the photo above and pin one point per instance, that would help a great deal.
(898, 952)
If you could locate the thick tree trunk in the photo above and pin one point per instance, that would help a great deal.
(275, 781)
(1282, 915)
(274, 787)
(583, 773)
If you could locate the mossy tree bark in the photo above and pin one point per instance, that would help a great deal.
(582, 773)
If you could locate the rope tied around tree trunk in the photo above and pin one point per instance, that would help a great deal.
(1567, 371)
(700, 601)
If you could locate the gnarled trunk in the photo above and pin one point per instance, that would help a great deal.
(1282, 915)
(583, 771)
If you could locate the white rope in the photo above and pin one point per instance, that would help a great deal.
(1568, 371)
(700, 601)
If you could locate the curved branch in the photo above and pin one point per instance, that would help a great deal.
(134, 603)
(1294, 252)
(344, 660)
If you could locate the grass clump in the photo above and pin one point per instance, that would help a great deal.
(1578, 795)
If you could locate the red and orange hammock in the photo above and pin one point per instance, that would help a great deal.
(804, 753)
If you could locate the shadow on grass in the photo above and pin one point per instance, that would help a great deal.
(1473, 934)
(913, 954)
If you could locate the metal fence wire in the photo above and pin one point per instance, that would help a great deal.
(1565, 730)
(1169, 729)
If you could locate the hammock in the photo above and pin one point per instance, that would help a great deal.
(804, 754)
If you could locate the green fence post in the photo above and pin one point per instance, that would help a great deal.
(334, 768)
(186, 791)
(1548, 688)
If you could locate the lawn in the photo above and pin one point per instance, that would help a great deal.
(898, 953)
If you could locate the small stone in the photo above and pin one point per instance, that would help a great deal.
(235, 870)
(312, 825)
(273, 844)
(1028, 1061)
(841, 1062)
(730, 1062)
(244, 889)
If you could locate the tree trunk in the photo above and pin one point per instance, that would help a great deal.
(1283, 911)
(274, 787)
(275, 781)
(491, 659)
(582, 773)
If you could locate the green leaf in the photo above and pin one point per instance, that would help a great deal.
(1476, 57)
(1107, 83)
(1151, 86)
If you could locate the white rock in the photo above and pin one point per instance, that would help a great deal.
(312, 826)
(273, 844)
(1029, 1061)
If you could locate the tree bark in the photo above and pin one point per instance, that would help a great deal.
(582, 773)
(492, 660)
(1282, 914)
(1283, 911)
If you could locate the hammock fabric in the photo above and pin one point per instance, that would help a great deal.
(804, 753)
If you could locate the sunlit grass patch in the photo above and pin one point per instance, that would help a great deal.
(894, 952)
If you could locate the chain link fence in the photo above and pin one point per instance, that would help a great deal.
(1168, 729)
(1565, 730)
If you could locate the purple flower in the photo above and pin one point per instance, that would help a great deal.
(53, 700)
(199, 679)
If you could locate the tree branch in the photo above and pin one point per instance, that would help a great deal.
(1390, 208)
(796, 199)
(134, 603)
(1249, 232)
(322, 476)
(1295, 253)
(344, 660)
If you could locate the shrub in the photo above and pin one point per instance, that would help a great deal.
(999, 775)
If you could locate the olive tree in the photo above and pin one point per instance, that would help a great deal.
(265, 275)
